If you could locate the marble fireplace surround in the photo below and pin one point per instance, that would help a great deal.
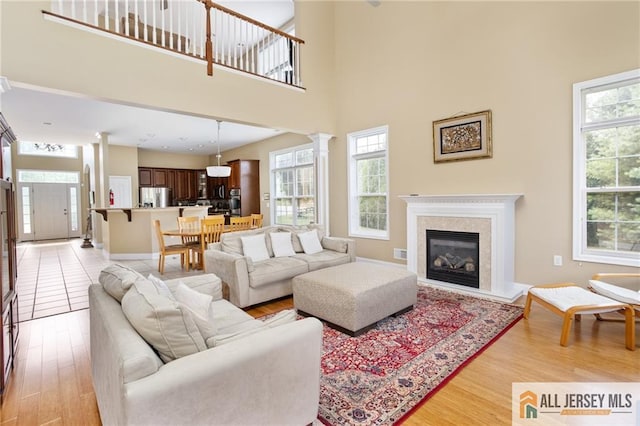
(492, 216)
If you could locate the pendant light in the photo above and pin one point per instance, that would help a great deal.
(218, 171)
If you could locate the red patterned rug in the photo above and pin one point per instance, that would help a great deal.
(379, 377)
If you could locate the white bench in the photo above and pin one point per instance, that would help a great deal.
(570, 301)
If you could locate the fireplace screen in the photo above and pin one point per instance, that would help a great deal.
(453, 257)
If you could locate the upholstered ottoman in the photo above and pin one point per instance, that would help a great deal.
(354, 296)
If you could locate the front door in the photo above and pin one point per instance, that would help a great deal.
(48, 211)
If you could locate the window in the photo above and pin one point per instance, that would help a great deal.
(607, 169)
(48, 149)
(368, 183)
(293, 186)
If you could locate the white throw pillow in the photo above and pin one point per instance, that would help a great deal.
(310, 242)
(117, 280)
(199, 305)
(164, 323)
(160, 286)
(254, 247)
(281, 244)
(615, 292)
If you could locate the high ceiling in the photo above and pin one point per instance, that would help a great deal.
(49, 117)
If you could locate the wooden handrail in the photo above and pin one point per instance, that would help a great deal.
(251, 20)
(269, 53)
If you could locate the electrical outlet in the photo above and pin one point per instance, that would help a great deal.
(557, 260)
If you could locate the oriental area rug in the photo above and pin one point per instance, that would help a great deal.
(381, 376)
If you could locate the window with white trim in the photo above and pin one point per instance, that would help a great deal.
(45, 149)
(606, 150)
(293, 186)
(369, 183)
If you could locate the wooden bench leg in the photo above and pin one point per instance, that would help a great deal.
(527, 306)
(566, 327)
(630, 328)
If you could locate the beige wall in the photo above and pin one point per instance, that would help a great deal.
(47, 56)
(517, 59)
(148, 158)
(404, 64)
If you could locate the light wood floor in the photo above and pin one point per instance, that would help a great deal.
(51, 383)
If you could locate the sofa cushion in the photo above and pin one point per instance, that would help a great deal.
(226, 315)
(281, 244)
(200, 308)
(162, 322)
(248, 328)
(310, 242)
(116, 280)
(335, 244)
(161, 286)
(254, 246)
(324, 259)
(276, 269)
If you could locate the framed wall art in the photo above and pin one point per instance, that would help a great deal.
(464, 137)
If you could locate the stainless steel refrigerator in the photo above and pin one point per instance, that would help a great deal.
(155, 197)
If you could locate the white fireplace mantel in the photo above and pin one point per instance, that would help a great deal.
(498, 209)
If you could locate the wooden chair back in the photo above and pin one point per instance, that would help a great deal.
(240, 223)
(211, 228)
(190, 224)
(159, 236)
(166, 250)
(256, 220)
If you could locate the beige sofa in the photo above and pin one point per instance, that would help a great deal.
(251, 282)
(249, 372)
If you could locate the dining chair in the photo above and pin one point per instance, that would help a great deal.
(190, 224)
(167, 250)
(256, 220)
(211, 227)
(240, 223)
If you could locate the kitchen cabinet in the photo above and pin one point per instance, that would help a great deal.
(145, 176)
(202, 183)
(160, 177)
(186, 185)
(245, 175)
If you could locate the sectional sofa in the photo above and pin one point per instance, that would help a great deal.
(157, 359)
(259, 265)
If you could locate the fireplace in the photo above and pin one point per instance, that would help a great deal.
(491, 217)
(453, 257)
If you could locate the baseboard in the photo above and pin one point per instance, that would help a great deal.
(381, 262)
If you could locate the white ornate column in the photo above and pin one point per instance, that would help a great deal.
(321, 161)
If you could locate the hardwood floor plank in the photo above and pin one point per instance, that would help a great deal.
(479, 394)
(28, 411)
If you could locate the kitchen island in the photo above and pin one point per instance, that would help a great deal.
(128, 234)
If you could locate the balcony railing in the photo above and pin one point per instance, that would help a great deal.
(197, 28)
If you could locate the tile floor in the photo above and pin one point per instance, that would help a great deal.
(53, 276)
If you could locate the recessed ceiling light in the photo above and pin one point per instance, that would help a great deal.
(46, 123)
(165, 147)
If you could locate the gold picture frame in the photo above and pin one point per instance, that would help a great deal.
(464, 137)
